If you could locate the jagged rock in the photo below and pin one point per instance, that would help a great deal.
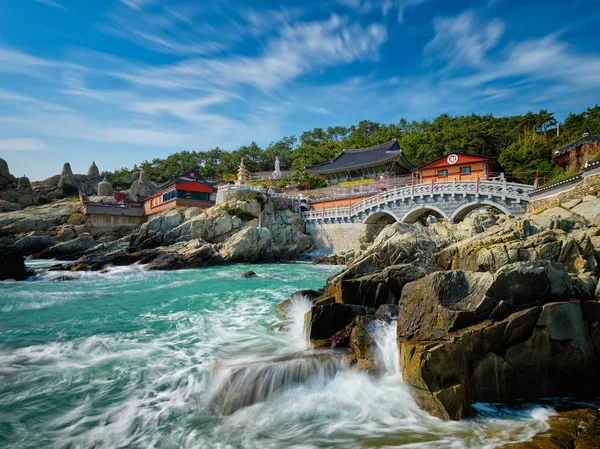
(325, 321)
(12, 266)
(249, 274)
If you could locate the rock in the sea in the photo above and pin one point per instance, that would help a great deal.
(12, 266)
(249, 274)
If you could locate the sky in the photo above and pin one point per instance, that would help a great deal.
(123, 81)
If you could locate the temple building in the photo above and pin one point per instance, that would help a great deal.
(370, 162)
(462, 167)
(587, 146)
(188, 189)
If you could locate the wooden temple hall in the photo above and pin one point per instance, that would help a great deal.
(370, 162)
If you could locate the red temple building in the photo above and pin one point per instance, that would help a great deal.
(188, 189)
(586, 145)
(459, 166)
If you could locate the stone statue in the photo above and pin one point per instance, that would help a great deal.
(277, 173)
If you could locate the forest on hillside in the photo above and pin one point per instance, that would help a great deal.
(523, 144)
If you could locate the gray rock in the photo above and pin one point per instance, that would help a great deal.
(68, 249)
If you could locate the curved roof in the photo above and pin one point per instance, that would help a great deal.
(363, 158)
(587, 138)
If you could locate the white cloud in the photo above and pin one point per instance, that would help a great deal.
(21, 144)
(385, 6)
(298, 49)
(463, 39)
(51, 3)
(138, 5)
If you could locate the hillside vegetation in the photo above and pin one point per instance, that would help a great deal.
(523, 144)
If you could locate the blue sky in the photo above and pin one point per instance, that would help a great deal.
(121, 81)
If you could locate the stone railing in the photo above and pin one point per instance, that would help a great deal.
(500, 189)
(590, 168)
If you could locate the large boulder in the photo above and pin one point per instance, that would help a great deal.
(443, 302)
(247, 245)
(373, 290)
(12, 266)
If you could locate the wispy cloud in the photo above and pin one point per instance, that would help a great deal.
(22, 144)
(51, 3)
(463, 40)
(298, 49)
(384, 6)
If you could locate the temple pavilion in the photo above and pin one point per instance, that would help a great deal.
(587, 146)
(385, 158)
(187, 189)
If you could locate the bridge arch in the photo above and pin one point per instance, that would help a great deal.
(412, 215)
(380, 216)
(460, 213)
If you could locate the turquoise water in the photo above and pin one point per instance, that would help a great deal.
(130, 359)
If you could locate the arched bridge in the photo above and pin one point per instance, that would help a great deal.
(452, 200)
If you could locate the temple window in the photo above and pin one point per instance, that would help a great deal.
(465, 170)
(442, 173)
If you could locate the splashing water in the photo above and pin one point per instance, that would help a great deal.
(133, 359)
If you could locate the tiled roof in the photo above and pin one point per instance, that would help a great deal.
(586, 138)
(362, 158)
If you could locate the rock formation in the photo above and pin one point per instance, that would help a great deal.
(14, 193)
(491, 310)
(68, 184)
(105, 188)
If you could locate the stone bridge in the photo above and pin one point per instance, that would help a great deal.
(450, 200)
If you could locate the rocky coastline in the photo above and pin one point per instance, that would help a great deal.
(253, 229)
(494, 309)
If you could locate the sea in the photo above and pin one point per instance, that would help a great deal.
(131, 358)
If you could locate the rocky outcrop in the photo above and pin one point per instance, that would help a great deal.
(12, 266)
(14, 193)
(466, 337)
